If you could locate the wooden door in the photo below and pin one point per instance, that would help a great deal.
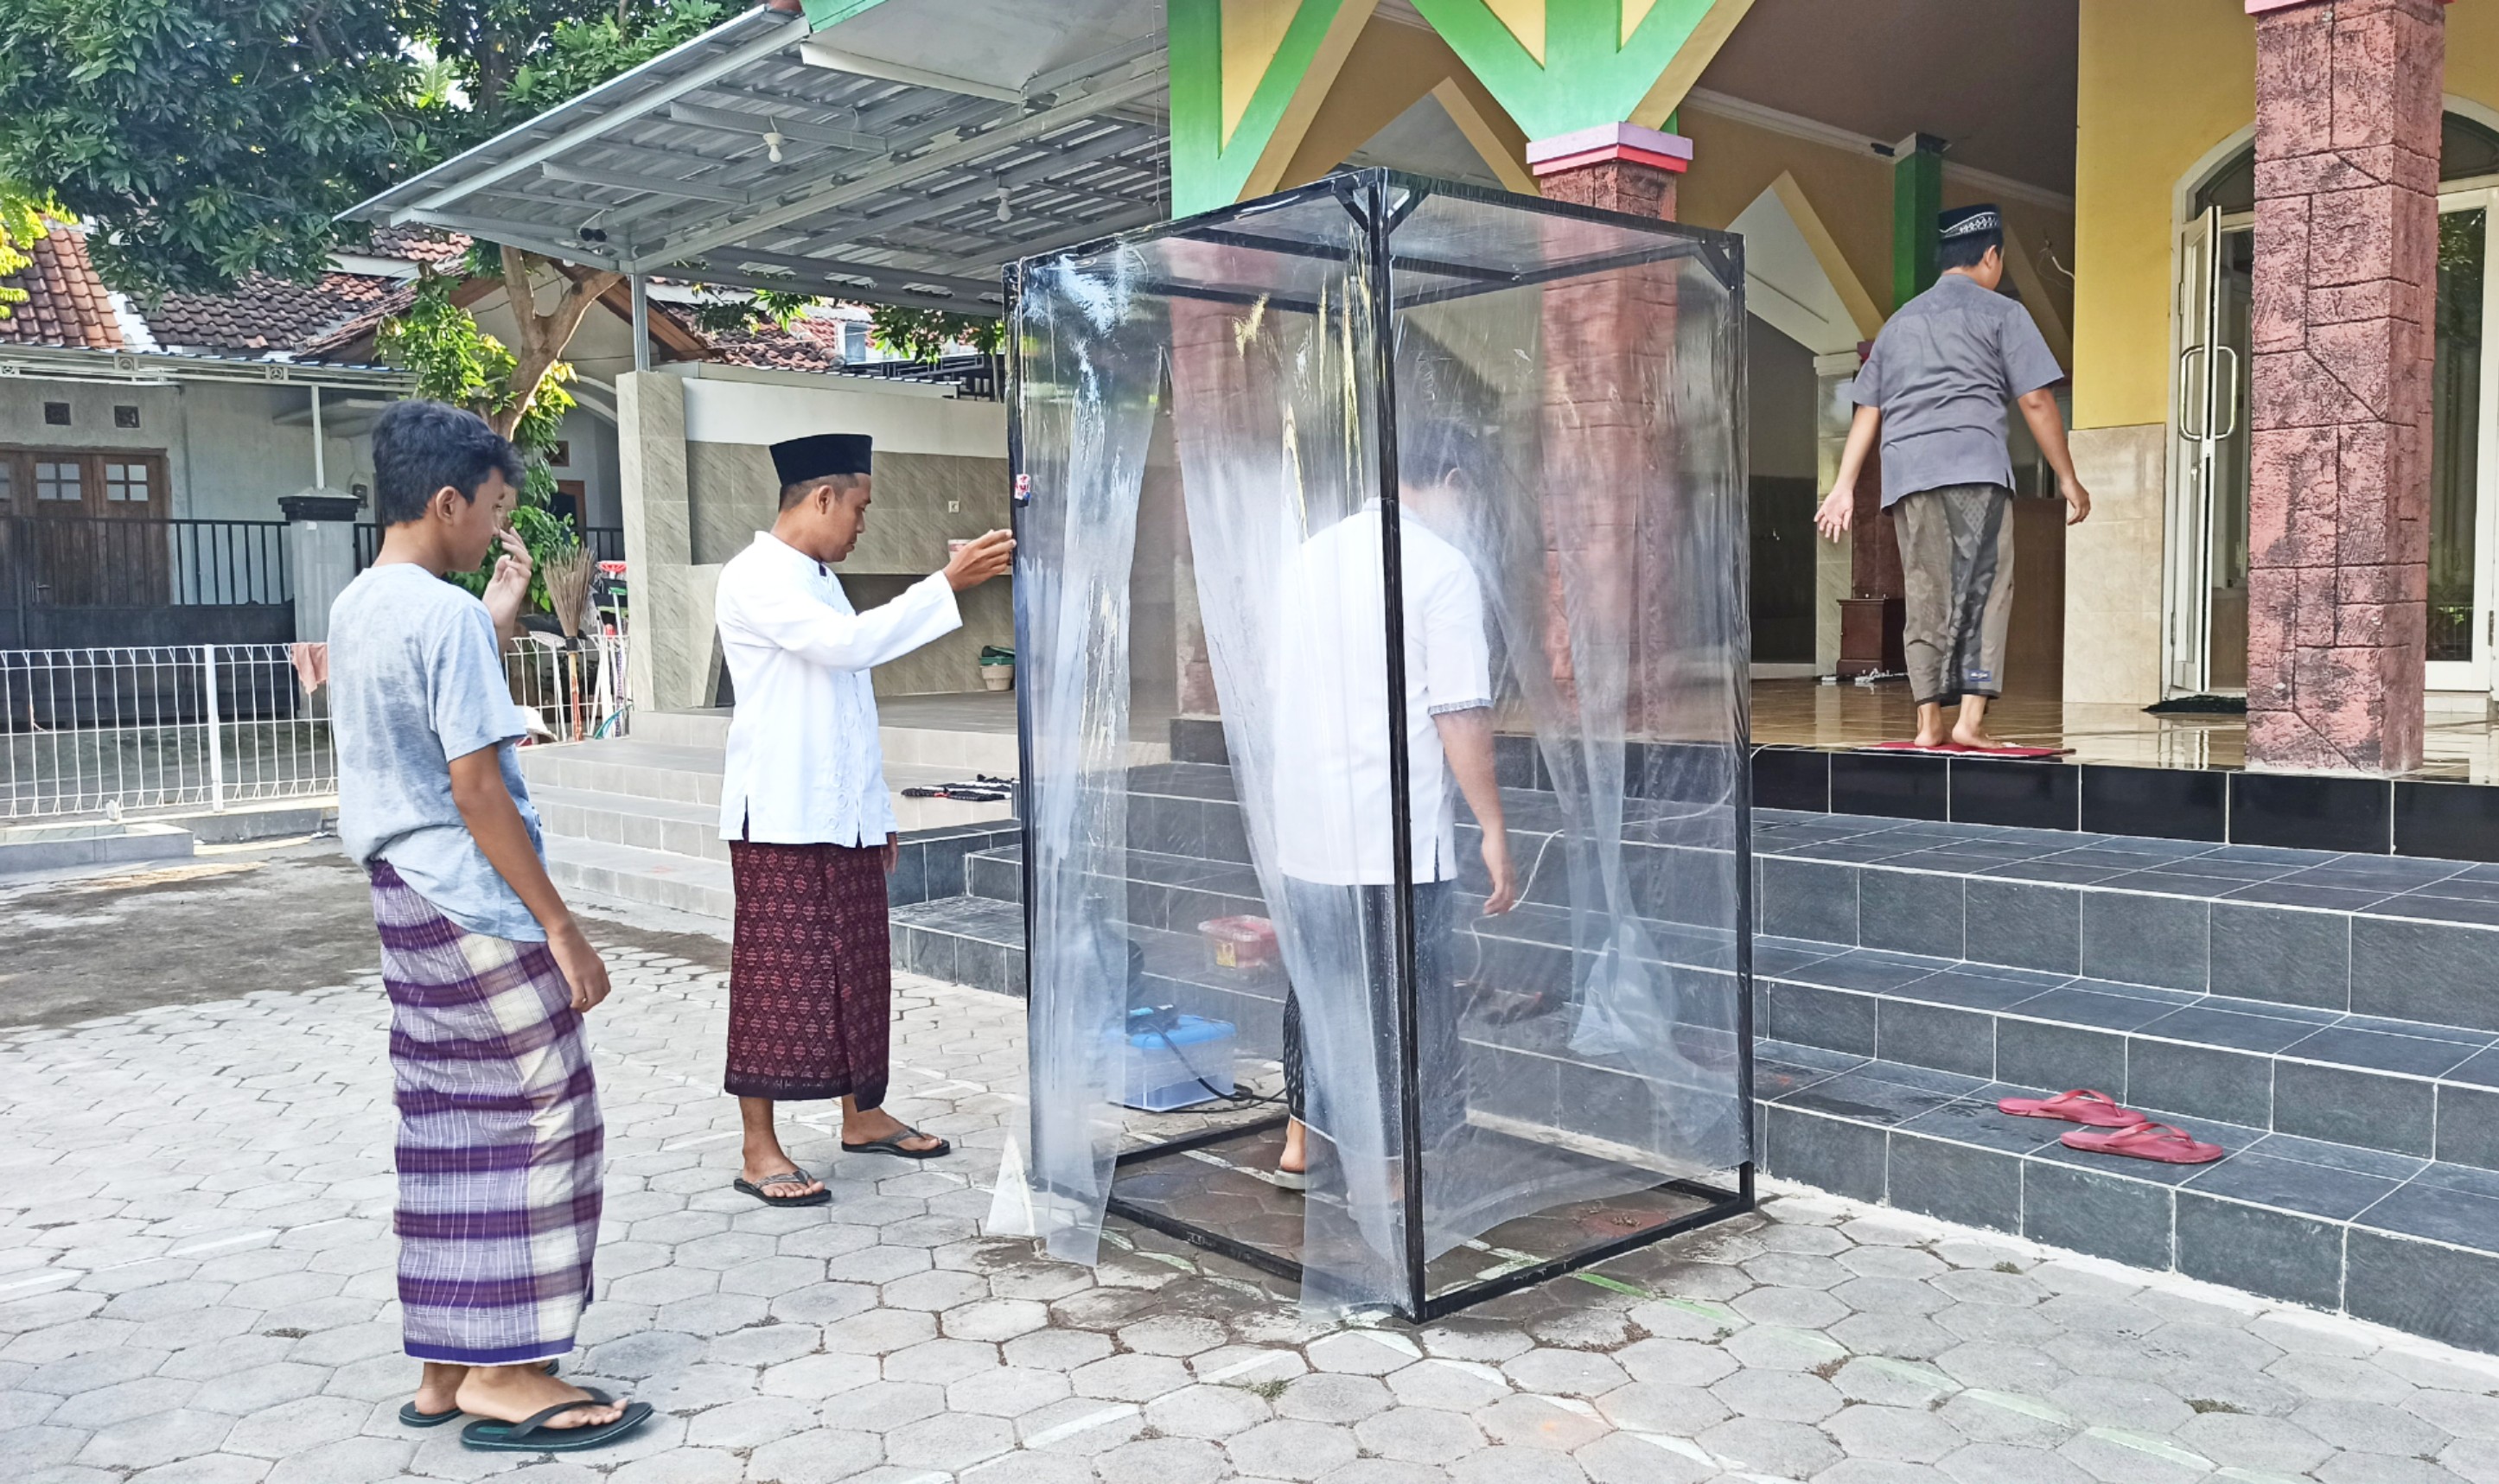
(94, 530)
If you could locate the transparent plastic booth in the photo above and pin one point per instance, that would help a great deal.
(1381, 612)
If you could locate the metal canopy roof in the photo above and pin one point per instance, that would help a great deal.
(909, 184)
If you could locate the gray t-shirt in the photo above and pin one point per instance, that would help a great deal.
(416, 681)
(1941, 373)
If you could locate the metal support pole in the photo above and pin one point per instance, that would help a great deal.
(641, 323)
(216, 743)
(321, 468)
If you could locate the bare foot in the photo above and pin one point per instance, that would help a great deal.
(517, 1393)
(1923, 739)
(874, 1125)
(1975, 738)
(1296, 1158)
(438, 1391)
(765, 1161)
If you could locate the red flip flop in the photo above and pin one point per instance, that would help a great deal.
(2081, 1105)
(2159, 1143)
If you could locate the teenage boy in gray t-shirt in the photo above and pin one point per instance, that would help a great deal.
(500, 1143)
(1935, 387)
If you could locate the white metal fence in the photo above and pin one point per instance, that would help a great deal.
(138, 730)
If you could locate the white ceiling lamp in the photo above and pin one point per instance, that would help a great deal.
(772, 142)
(1006, 212)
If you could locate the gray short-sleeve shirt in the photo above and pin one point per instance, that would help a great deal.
(418, 681)
(1941, 374)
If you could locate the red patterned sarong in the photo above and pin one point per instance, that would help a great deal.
(810, 974)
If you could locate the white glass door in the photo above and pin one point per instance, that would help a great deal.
(2464, 425)
(2206, 583)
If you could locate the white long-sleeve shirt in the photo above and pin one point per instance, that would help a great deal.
(804, 764)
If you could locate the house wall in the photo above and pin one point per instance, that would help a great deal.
(698, 484)
(2166, 88)
(227, 457)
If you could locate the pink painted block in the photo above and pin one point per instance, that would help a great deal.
(1613, 136)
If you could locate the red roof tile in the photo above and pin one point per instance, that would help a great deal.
(263, 315)
(430, 246)
(66, 302)
(798, 348)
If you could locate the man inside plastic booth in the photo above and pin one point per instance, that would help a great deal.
(1333, 797)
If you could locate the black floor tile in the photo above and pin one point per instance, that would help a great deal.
(1866, 1099)
(2270, 1253)
(1900, 786)
(1909, 912)
(2434, 1291)
(2417, 1056)
(1948, 1039)
(2200, 1081)
(1829, 1018)
(2142, 940)
(2441, 1213)
(1975, 988)
(2481, 1069)
(2094, 1007)
(1956, 1182)
(2170, 803)
(1868, 971)
(1809, 899)
(2032, 795)
(2103, 1215)
(1835, 1154)
(2467, 1126)
(2293, 894)
(2452, 821)
(2444, 973)
(2314, 1190)
(2058, 1058)
(2282, 953)
(2310, 812)
(1792, 778)
(2027, 924)
(2244, 1030)
(2430, 907)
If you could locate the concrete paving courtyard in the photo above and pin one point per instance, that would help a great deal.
(196, 1285)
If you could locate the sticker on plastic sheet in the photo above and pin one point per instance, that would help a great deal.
(1023, 489)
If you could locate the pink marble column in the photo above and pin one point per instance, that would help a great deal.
(2348, 108)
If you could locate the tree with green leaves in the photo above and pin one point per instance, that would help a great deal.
(923, 335)
(21, 226)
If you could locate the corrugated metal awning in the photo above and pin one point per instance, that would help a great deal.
(759, 155)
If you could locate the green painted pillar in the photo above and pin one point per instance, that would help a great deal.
(1917, 198)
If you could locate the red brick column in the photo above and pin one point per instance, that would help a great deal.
(1608, 341)
(2348, 108)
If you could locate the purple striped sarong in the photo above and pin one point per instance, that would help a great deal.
(500, 1137)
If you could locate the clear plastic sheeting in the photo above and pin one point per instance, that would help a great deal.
(1381, 606)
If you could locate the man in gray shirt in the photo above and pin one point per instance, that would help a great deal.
(1935, 387)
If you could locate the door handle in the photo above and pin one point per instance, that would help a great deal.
(2187, 428)
(2229, 400)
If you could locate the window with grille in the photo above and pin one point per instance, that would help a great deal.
(58, 481)
(126, 482)
(8, 481)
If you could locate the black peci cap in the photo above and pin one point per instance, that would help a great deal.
(1969, 221)
(820, 456)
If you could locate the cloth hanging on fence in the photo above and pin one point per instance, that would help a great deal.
(311, 663)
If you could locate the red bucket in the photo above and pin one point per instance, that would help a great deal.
(1240, 943)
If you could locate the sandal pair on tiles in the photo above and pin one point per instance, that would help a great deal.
(2111, 1129)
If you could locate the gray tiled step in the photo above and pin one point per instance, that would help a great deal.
(625, 873)
(2394, 937)
(675, 826)
(2405, 1243)
(67, 847)
(630, 767)
(964, 940)
(2404, 1086)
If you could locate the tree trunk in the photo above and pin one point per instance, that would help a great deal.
(543, 337)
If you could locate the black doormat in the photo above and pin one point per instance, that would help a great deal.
(2200, 705)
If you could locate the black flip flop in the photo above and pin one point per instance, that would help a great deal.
(756, 1188)
(408, 1414)
(892, 1145)
(530, 1435)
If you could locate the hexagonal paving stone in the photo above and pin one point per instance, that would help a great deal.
(1329, 1397)
(941, 1361)
(750, 1424)
(2369, 1427)
(1662, 1406)
(1891, 1260)
(1174, 1335)
(158, 1437)
(1797, 1308)
(2002, 1462)
(1907, 1337)
(1910, 1435)
(1163, 1461)
(1783, 1395)
(1288, 1449)
(992, 1319)
(1208, 1411)
(1362, 1352)
(1777, 1347)
(821, 1456)
(1418, 1436)
(1138, 1378)
(1056, 1349)
(880, 1407)
(1540, 1422)
(1564, 1374)
(1678, 1361)
(1791, 1450)
(951, 1442)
